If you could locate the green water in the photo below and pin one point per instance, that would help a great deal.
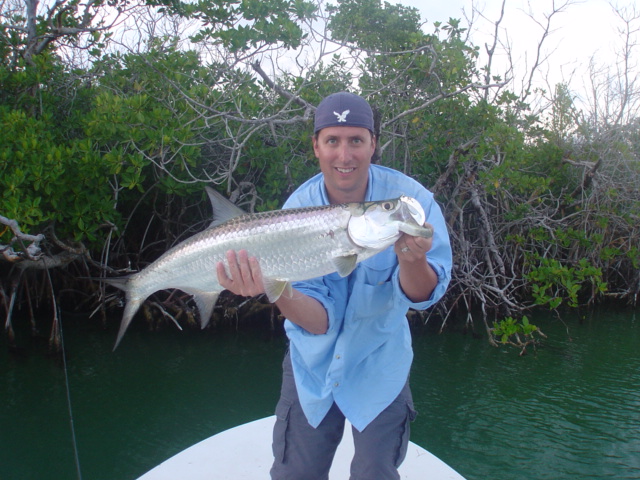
(570, 410)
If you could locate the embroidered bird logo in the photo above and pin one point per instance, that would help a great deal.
(342, 117)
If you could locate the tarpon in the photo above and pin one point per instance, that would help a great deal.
(290, 244)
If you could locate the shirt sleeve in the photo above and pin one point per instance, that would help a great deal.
(318, 290)
(439, 257)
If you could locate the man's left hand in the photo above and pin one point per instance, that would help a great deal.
(410, 248)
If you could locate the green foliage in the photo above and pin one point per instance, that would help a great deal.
(553, 283)
(146, 133)
(406, 69)
(511, 331)
(245, 24)
(46, 180)
(563, 122)
(131, 139)
(375, 26)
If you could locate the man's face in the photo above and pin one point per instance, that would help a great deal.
(344, 154)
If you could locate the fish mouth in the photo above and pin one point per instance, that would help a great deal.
(410, 211)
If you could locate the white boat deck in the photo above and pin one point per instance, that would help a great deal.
(244, 452)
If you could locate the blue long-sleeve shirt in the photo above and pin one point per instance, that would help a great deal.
(362, 362)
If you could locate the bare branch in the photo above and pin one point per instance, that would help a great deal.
(31, 251)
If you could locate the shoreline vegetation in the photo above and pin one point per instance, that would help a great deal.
(109, 134)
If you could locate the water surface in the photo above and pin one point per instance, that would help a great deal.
(569, 410)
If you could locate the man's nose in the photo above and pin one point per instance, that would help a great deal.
(343, 152)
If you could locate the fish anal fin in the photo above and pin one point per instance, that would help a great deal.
(275, 288)
(205, 301)
(345, 264)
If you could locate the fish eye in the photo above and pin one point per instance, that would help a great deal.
(387, 206)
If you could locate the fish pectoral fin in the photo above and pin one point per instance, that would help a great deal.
(345, 264)
(205, 301)
(275, 288)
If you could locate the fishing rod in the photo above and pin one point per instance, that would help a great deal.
(57, 323)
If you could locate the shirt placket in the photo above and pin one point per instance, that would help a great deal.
(336, 376)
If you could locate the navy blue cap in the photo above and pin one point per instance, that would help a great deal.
(343, 109)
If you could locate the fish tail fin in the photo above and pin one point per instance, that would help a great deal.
(118, 282)
(133, 304)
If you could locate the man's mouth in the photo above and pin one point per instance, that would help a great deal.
(345, 170)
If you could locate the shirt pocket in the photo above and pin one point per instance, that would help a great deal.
(378, 269)
(372, 301)
(373, 313)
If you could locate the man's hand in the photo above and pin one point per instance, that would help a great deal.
(410, 248)
(417, 278)
(245, 275)
(245, 278)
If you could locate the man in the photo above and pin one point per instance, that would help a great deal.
(350, 344)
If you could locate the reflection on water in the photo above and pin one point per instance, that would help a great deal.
(570, 410)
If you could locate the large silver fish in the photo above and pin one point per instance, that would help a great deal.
(291, 244)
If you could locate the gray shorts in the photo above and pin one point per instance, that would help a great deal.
(302, 452)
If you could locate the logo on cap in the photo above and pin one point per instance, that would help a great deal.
(342, 117)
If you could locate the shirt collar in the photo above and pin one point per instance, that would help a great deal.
(367, 196)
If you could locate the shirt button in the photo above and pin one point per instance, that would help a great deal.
(338, 356)
(337, 384)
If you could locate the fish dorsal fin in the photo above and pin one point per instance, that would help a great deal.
(345, 264)
(223, 209)
(275, 288)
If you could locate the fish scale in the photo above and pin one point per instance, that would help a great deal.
(291, 245)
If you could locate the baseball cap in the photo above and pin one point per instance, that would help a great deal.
(343, 109)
